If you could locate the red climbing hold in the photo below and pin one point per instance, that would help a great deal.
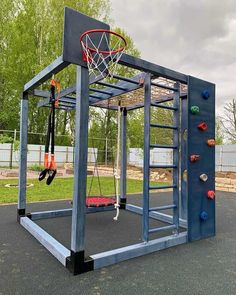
(211, 195)
(194, 158)
(202, 126)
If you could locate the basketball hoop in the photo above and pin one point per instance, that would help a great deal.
(102, 49)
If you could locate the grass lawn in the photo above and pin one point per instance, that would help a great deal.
(61, 188)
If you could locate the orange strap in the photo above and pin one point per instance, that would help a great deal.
(52, 165)
(46, 165)
(56, 84)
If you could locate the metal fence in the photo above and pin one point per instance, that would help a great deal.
(225, 156)
(101, 150)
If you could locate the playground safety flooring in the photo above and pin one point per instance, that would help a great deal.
(203, 267)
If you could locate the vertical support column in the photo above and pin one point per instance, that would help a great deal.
(23, 155)
(176, 121)
(76, 262)
(123, 163)
(184, 157)
(146, 162)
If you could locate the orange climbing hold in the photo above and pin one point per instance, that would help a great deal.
(194, 158)
(211, 142)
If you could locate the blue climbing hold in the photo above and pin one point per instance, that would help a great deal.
(203, 215)
(205, 94)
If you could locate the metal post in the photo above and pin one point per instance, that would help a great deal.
(67, 156)
(146, 162)
(23, 155)
(11, 156)
(176, 122)
(184, 157)
(80, 161)
(106, 143)
(123, 163)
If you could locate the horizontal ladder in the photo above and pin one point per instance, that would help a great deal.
(163, 228)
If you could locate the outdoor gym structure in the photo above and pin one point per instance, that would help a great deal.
(192, 103)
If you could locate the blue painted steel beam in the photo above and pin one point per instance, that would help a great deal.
(101, 91)
(162, 228)
(23, 152)
(114, 256)
(141, 104)
(51, 244)
(126, 79)
(115, 86)
(145, 66)
(80, 160)
(184, 158)
(146, 159)
(165, 207)
(55, 67)
(176, 155)
(163, 86)
(156, 215)
(67, 212)
(123, 164)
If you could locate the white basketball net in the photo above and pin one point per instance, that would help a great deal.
(102, 63)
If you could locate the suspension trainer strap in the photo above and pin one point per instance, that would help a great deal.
(52, 166)
(46, 149)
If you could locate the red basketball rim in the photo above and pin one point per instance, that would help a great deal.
(105, 52)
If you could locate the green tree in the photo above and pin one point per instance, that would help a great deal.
(228, 121)
(219, 136)
(31, 38)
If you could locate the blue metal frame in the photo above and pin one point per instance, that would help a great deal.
(189, 201)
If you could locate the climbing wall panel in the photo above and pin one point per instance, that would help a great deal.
(200, 174)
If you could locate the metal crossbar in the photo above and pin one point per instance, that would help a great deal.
(163, 146)
(164, 86)
(162, 207)
(163, 126)
(161, 187)
(163, 228)
(164, 107)
(111, 85)
(162, 166)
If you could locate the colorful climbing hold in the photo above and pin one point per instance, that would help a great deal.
(195, 110)
(203, 177)
(203, 215)
(211, 195)
(194, 158)
(211, 142)
(205, 94)
(202, 126)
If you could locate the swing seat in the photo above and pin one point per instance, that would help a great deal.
(99, 201)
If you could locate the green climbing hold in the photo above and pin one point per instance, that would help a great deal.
(195, 110)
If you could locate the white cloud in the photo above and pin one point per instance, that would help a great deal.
(194, 37)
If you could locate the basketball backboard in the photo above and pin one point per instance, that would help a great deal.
(75, 24)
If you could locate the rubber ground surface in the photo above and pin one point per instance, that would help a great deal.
(203, 267)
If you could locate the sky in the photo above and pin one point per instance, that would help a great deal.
(195, 37)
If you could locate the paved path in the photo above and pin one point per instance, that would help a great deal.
(203, 267)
